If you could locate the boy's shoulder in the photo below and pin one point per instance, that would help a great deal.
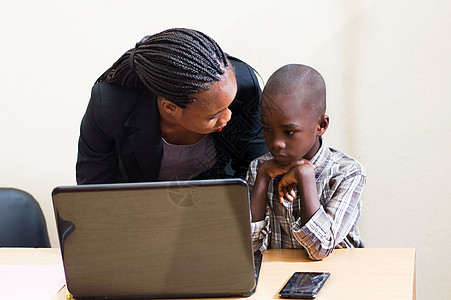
(255, 164)
(344, 162)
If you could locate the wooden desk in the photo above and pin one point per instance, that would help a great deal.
(370, 273)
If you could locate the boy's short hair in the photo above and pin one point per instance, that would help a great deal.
(301, 79)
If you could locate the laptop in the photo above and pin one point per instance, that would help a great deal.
(179, 239)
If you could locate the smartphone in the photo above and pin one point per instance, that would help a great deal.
(304, 285)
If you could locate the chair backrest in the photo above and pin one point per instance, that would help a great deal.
(22, 223)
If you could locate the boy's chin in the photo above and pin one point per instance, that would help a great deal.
(284, 161)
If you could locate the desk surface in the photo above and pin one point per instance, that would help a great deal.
(370, 273)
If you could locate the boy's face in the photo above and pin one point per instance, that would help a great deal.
(291, 127)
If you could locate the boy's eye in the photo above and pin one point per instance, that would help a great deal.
(290, 132)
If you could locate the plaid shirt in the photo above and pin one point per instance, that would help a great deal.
(339, 181)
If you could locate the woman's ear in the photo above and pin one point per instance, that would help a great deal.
(323, 123)
(168, 107)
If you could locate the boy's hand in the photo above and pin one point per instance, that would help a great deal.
(269, 169)
(293, 178)
(273, 169)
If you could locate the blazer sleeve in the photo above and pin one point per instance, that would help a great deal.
(245, 140)
(97, 160)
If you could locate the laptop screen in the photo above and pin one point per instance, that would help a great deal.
(161, 239)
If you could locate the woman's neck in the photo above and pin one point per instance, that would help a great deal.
(178, 135)
(181, 136)
(173, 132)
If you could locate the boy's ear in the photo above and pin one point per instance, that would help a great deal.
(323, 123)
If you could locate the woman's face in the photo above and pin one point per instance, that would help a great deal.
(210, 113)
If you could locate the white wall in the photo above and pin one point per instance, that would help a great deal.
(386, 65)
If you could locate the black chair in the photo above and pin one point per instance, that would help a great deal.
(22, 223)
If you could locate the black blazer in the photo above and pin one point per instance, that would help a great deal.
(120, 135)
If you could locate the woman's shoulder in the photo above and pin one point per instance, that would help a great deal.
(243, 71)
(249, 91)
(113, 104)
(111, 92)
(113, 97)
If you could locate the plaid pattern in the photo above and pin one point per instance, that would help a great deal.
(339, 181)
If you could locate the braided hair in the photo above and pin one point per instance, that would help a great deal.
(172, 64)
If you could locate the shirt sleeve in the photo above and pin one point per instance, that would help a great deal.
(259, 230)
(259, 235)
(334, 220)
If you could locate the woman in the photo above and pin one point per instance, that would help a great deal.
(175, 107)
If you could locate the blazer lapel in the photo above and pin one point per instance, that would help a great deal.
(145, 140)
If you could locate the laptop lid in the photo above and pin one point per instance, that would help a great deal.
(156, 240)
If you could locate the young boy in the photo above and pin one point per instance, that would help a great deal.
(303, 193)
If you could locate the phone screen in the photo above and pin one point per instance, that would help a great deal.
(304, 285)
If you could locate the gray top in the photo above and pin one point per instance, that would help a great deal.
(182, 162)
